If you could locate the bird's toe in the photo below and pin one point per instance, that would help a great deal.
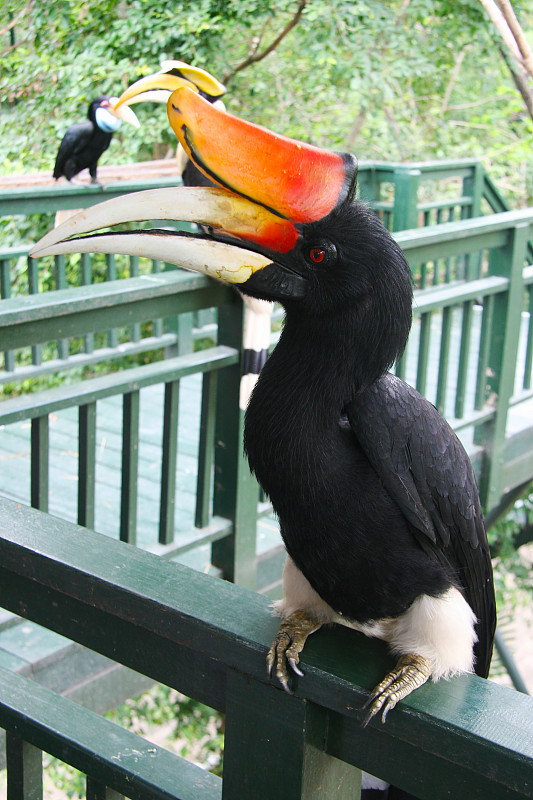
(288, 644)
(410, 672)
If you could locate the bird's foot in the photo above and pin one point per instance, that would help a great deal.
(410, 672)
(288, 645)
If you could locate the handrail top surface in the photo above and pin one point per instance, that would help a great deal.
(234, 627)
(20, 308)
(465, 228)
(37, 192)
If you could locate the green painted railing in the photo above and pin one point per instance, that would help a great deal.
(471, 352)
(208, 638)
(463, 354)
(398, 192)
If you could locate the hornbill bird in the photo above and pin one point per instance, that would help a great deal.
(84, 142)
(375, 495)
(172, 76)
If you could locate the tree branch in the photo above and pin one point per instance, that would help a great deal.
(256, 56)
(502, 27)
(355, 130)
(453, 78)
(520, 81)
(518, 34)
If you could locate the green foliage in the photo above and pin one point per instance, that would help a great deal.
(392, 80)
(510, 541)
(185, 726)
(162, 715)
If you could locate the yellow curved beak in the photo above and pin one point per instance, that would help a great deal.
(173, 75)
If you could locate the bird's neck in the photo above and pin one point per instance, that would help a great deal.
(296, 406)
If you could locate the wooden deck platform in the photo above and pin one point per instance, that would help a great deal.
(107, 173)
(15, 468)
(50, 659)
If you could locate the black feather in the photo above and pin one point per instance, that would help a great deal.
(82, 145)
(380, 511)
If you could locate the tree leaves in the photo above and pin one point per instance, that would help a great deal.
(375, 74)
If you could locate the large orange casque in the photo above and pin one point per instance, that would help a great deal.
(300, 182)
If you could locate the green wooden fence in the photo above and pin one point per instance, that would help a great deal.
(459, 190)
(465, 738)
(470, 352)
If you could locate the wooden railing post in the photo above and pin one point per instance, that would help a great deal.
(40, 435)
(236, 492)
(181, 325)
(473, 187)
(24, 769)
(507, 261)
(86, 464)
(406, 183)
(274, 748)
(369, 185)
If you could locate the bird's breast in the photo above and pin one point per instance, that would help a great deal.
(340, 526)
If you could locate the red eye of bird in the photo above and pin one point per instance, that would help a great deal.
(317, 254)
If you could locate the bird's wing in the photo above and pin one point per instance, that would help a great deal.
(425, 468)
(75, 139)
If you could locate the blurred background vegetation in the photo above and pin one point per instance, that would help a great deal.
(390, 80)
(386, 79)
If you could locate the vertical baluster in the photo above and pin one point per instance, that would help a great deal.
(424, 265)
(423, 352)
(111, 275)
(134, 273)
(206, 449)
(449, 261)
(157, 324)
(473, 189)
(5, 292)
(236, 492)
(406, 184)
(181, 325)
(169, 461)
(444, 358)
(505, 336)
(401, 365)
(33, 288)
(87, 464)
(529, 349)
(86, 280)
(484, 350)
(24, 769)
(61, 283)
(274, 740)
(464, 351)
(39, 462)
(424, 275)
(130, 467)
(95, 790)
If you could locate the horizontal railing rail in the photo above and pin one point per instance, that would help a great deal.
(55, 197)
(463, 738)
(398, 192)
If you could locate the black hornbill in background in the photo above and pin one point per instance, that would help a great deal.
(376, 497)
(84, 142)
